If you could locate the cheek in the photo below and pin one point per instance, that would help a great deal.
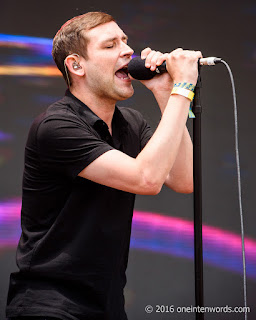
(105, 61)
(102, 70)
(99, 78)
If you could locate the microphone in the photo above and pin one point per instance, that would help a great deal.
(137, 69)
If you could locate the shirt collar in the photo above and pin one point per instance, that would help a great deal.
(93, 120)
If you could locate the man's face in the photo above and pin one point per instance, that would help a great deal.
(108, 52)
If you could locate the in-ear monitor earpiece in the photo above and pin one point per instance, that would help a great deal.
(76, 66)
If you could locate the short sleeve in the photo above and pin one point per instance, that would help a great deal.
(146, 134)
(66, 146)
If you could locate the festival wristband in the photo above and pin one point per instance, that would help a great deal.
(185, 85)
(183, 92)
(191, 114)
(188, 86)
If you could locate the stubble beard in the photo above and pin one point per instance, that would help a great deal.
(110, 90)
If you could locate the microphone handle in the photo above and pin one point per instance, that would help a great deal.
(137, 69)
(209, 61)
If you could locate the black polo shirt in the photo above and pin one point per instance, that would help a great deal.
(75, 239)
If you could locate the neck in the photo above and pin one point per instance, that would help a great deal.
(102, 107)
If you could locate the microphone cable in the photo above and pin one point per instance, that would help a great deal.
(239, 184)
(136, 68)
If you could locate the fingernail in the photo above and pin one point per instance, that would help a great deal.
(147, 65)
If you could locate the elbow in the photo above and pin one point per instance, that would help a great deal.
(154, 190)
(179, 185)
(151, 186)
(189, 186)
(185, 188)
(188, 189)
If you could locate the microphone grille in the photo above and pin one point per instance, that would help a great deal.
(137, 69)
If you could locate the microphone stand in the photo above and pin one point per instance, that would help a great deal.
(197, 171)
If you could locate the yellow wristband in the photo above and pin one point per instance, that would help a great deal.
(183, 92)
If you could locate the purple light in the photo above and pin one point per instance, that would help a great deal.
(175, 236)
(5, 136)
(161, 234)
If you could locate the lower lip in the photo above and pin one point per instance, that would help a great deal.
(124, 79)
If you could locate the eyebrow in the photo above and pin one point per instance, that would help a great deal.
(124, 37)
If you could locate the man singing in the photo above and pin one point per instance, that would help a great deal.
(85, 159)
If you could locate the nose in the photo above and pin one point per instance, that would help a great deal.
(126, 50)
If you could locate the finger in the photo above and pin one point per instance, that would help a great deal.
(176, 53)
(149, 57)
(199, 53)
(161, 59)
(154, 60)
(192, 55)
(145, 52)
(177, 50)
(186, 54)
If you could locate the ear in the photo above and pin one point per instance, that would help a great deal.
(74, 65)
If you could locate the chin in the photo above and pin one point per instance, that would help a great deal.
(126, 95)
(125, 98)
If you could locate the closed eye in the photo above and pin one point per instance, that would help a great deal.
(110, 44)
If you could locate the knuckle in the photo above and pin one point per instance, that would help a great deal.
(175, 55)
(145, 52)
(199, 53)
(156, 56)
(182, 55)
(150, 55)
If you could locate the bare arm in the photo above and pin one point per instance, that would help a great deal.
(147, 173)
(180, 177)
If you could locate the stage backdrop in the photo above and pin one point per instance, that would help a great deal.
(161, 270)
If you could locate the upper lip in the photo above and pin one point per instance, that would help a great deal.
(125, 66)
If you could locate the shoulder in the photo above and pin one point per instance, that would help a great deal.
(61, 111)
(57, 120)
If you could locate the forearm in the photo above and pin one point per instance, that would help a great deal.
(159, 155)
(171, 140)
(180, 177)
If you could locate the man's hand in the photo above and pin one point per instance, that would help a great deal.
(160, 83)
(182, 66)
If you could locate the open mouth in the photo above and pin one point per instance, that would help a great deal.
(122, 73)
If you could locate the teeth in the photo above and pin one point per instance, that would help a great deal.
(125, 67)
(122, 73)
